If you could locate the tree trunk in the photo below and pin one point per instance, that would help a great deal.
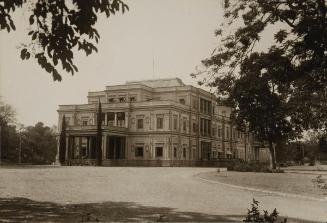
(273, 154)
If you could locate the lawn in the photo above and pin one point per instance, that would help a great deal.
(293, 183)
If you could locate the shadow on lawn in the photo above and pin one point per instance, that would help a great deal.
(26, 210)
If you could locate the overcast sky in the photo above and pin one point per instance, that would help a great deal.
(178, 33)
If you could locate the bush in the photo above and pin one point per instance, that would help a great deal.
(254, 214)
(242, 166)
(320, 182)
(323, 162)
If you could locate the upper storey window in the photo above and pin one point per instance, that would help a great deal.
(122, 99)
(195, 103)
(132, 99)
(111, 100)
(160, 120)
(205, 106)
(182, 101)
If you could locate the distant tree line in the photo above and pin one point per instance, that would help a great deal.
(33, 144)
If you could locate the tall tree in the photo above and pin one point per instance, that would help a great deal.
(291, 71)
(260, 103)
(39, 144)
(58, 28)
(8, 135)
(62, 141)
(7, 113)
(99, 136)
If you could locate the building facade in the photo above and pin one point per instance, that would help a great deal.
(156, 123)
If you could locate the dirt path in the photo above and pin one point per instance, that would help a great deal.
(175, 188)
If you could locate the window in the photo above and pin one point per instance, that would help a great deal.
(67, 120)
(227, 132)
(111, 100)
(175, 122)
(159, 151)
(184, 124)
(159, 122)
(140, 123)
(219, 131)
(175, 152)
(205, 106)
(182, 101)
(84, 122)
(111, 118)
(132, 99)
(120, 119)
(195, 103)
(122, 99)
(139, 151)
(214, 132)
(194, 127)
(184, 152)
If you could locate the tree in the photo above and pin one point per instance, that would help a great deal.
(62, 142)
(323, 144)
(290, 76)
(260, 104)
(99, 136)
(39, 144)
(7, 114)
(8, 135)
(58, 28)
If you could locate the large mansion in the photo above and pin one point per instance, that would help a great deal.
(159, 122)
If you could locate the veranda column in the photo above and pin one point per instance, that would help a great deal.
(106, 118)
(87, 147)
(104, 147)
(115, 124)
(126, 119)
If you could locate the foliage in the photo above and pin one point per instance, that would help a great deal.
(98, 151)
(252, 167)
(323, 144)
(283, 90)
(9, 143)
(62, 141)
(58, 28)
(254, 214)
(320, 182)
(39, 144)
(7, 114)
(9, 140)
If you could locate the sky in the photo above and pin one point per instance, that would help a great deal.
(175, 34)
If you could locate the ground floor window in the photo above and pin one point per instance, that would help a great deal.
(159, 151)
(139, 151)
(175, 152)
(184, 152)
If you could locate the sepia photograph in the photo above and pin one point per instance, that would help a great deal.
(163, 111)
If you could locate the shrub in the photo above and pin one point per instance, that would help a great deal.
(242, 166)
(254, 214)
(320, 182)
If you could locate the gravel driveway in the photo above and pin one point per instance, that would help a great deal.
(176, 188)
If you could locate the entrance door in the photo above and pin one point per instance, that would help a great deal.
(116, 147)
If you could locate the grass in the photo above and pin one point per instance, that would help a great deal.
(300, 184)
